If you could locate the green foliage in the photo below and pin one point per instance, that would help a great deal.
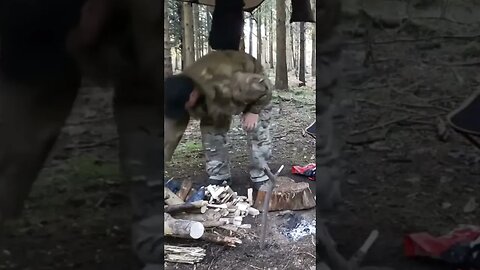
(88, 167)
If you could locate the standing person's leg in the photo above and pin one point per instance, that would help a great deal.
(214, 141)
(139, 124)
(260, 146)
(139, 115)
(31, 117)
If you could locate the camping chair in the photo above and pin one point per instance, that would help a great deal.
(465, 120)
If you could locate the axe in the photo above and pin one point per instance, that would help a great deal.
(266, 202)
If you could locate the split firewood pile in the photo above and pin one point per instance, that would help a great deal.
(198, 214)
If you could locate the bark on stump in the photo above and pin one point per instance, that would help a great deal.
(287, 195)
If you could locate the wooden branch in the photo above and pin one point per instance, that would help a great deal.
(190, 193)
(209, 215)
(201, 206)
(266, 203)
(182, 228)
(170, 197)
(381, 125)
(213, 223)
(426, 106)
(455, 64)
(250, 196)
(334, 259)
(221, 239)
(383, 42)
(390, 107)
(91, 145)
(358, 257)
(184, 189)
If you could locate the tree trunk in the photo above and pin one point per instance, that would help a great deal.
(242, 43)
(209, 25)
(167, 46)
(201, 32)
(295, 51)
(314, 43)
(196, 31)
(281, 76)
(250, 36)
(180, 12)
(271, 35)
(188, 39)
(292, 49)
(178, 59)
(259, 36)
(301, 75)
(288, 48)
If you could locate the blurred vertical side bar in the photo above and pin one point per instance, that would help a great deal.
(329, 141)
(329, 118)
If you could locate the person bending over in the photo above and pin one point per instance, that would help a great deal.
(213, 89)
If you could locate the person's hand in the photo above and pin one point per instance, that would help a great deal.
(249, 121)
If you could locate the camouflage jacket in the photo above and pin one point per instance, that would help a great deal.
(231, 82)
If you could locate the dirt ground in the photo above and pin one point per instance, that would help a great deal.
(293, 111)
(401, 176)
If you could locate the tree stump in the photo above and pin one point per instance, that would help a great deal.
(287, 195)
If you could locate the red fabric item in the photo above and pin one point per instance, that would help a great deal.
(425, 245)
(307, 170)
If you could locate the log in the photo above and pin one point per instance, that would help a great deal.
(250, 196)
(237, 221)
(221, 206)
(221, 239)
(228, 195)
(209, 215)
(190, 255)
(182, 228)
(287, 195)
(242, 206)
(245, 226)
(170, 197)
(200, 206)
(229, 227)
(184, 189)
(213, 223)
(253, 212)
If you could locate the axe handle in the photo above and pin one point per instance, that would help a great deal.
(266, 202)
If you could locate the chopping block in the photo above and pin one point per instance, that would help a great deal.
(287, 195)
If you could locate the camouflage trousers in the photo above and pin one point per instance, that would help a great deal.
(214, 140)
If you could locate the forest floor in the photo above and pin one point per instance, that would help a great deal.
(407, 180)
